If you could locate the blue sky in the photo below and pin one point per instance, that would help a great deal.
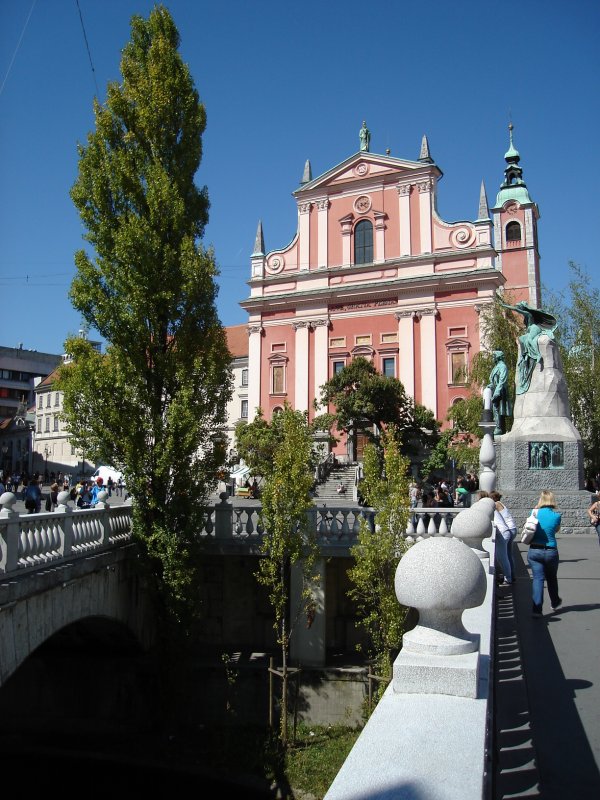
(286, 81)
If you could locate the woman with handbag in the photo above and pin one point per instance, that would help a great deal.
(506, 529)
(543, 554)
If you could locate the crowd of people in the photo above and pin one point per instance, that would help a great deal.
(29, 488)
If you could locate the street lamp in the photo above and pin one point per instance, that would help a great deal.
(47, 452)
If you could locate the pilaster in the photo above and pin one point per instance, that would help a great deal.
(380, 217)
(424, 188)
(404, 211)
(406, 356)
(322, 207)
(304, 234)
(321, 363)
(301, 329)
(428, 358)
(255, 333)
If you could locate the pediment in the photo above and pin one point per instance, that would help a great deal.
(362, 166)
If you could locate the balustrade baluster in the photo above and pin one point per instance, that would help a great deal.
(249, 523)
(238, 528)
(323, 524)
(334, 527)
(345, 532)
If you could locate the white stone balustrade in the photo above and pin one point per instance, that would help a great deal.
(32, 541)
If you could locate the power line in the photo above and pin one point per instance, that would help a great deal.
(18, 45)
(88, 50)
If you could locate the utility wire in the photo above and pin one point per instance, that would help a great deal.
(88, 50)
(18, 45)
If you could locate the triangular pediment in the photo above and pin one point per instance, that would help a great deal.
(362, 166)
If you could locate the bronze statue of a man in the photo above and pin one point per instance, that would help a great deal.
(498, 383)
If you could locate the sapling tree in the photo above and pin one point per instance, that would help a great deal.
(288, 541)
(379, 549)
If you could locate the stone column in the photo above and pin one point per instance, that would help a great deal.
(254, 368)
(428, 359)
(301, 398)
(404, 209)
(406, 354)
(308, 641)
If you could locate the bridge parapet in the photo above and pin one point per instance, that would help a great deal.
(31, 541)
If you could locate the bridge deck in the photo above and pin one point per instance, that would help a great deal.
(548, 681)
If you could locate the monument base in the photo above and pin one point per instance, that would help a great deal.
(520, 484)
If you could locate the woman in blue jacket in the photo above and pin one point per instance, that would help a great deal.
(543, 553)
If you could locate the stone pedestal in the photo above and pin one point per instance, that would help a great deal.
(544, 449)
(439, 577)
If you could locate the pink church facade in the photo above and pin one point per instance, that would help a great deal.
(374, 271)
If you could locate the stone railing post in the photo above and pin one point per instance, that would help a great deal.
(223, 518)
(440, 577)
(487, 452)
(67, 523)
(10, 529)
(474, 524)
(102, 507)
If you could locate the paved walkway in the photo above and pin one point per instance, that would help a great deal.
(547, 689)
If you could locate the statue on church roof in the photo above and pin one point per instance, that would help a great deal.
(365, 137)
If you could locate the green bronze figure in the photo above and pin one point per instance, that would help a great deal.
(498, 383)
(537, 322)
(365, 137)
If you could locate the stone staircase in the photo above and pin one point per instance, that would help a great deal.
(327, 491)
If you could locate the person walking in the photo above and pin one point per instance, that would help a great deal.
(506, 529)
(594, 514)
(33, 497)
(543, 554)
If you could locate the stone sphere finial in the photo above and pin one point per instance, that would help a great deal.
(7, 500)
(63, 498)
(440, 577)
(474, 524)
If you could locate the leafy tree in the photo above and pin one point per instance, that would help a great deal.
(155, 404)
(287, 541)
(377, 552)
(578, 336)
(364, 398)
(499, 330)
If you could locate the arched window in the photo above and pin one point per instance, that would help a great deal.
(513, 232)
(363, 242)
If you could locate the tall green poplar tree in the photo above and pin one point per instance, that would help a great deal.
(155, 403)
